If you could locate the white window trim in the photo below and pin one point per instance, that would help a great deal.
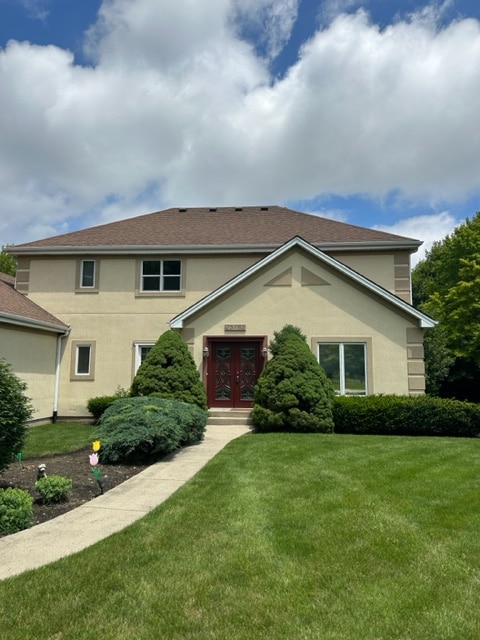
(341, 343)
(136, 353)
(160, 292)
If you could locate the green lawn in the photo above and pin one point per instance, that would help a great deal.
(56, 438)
(281, 536)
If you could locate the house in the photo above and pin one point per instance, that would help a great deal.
(226, 278)
(31, 341)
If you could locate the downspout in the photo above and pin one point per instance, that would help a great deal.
(58, 358)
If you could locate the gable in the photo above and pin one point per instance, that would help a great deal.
(315, 272)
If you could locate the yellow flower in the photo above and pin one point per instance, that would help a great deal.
(96, 445)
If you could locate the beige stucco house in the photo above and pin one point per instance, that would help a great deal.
(226, 278)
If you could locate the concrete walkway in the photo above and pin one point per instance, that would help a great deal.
(111, 512)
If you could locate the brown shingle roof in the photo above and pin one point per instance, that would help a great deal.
(15, 305)
(219, 227)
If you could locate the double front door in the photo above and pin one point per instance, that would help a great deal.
(233, 367)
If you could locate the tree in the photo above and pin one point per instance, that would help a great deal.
(169, 371)
(15, 411)
(281, 337)
(7, 263)
(293, 392)
(446, 285)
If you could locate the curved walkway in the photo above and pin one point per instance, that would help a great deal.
(112, 511)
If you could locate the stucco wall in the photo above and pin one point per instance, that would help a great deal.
(115, 318)
(32, 357)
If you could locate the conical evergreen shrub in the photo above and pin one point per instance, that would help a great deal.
(293, 393)
(169, 371)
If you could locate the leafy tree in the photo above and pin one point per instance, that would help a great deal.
(293, 392)
(15, 411)
(447, 286)
(169, 371)
(7, 263)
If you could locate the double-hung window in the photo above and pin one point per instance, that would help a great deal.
(161, 275)
(345, 363)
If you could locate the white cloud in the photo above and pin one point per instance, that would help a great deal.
(429, 228)
(178, 109)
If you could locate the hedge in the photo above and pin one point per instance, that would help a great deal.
(406, 415)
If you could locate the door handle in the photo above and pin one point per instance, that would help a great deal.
(237, 377)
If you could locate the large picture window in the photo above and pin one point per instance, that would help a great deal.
(345, 363)
(161, 275)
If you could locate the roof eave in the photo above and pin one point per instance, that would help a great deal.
(383, 245)
(30, 323)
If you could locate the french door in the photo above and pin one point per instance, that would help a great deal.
(232, 370)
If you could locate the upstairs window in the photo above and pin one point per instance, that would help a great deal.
(161, 275)
(87, 274)
(345, 365)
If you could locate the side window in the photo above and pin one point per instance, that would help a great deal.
(345, 363)
(87, 276)
(83, 360)
(161, 276)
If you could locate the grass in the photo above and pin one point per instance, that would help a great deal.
(281, 536)
(56, 438)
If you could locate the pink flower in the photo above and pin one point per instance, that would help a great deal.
(93, 459)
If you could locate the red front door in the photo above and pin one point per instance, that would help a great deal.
(232, 371)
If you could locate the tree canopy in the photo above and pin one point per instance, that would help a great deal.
(446, 285)
(7, 263)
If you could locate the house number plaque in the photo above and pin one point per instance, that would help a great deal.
(235, 327)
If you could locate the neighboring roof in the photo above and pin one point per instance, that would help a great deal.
(16, 308)
(220, 229)
(425, 321)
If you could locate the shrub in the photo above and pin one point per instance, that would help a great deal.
(293, 392)
(280, 338)
(53, 489)
(406, 415)
(99, 404)
(15, 411)
(16, 510)
(169, 371)
(144, 428)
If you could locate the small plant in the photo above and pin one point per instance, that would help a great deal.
(53, 489)
(16, 510)
(94, 460)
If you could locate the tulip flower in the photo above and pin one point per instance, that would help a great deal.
(96, 445)
(93, 459)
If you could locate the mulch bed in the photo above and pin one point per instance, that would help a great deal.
(75, 466)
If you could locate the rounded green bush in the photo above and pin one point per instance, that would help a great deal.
(15, 411)
(144, 428)
(293, 393)
(16, 510)
(53, 489)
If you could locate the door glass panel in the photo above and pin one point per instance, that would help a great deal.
(247, 372)
(223, 373)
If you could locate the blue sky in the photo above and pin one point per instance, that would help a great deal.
(366, 112)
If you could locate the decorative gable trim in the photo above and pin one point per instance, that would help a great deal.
(424, 321)
(282, 280)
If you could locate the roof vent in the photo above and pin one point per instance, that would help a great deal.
(182, 210)
(263, 208)
(213, 209)
(238, 208)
